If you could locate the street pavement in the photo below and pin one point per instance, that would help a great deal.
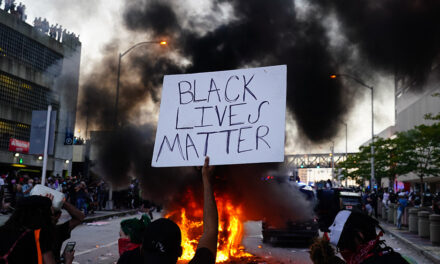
(97, 242)
(419, 245)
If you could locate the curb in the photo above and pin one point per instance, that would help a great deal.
(115, 214)
(417, 248)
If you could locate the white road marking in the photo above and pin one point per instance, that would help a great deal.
(93, 249)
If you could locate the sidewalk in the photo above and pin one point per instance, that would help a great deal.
(421, 245)
(98, 215)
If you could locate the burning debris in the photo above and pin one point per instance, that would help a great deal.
(392, 37)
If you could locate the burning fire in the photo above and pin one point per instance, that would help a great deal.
(190, 220)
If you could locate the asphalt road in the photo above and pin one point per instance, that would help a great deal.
(98, 244)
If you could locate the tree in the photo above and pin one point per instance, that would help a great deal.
(420, 151)
(386, 163)
(356, 167)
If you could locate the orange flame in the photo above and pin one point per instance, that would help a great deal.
(190, 221)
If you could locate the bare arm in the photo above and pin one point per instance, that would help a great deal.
(48, 258)
(210, 214)
(77, 215)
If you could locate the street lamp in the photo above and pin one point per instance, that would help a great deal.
(162, 43)
(109, 204)
(361, 82)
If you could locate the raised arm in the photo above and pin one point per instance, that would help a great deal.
(77, 215)
(210, 214)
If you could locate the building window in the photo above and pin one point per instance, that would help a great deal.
(24, 96)
(15, 45)
(10, 129)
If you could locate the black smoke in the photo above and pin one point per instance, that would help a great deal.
(398, 37)
(262, 33)
(390, 36)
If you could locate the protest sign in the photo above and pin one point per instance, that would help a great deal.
(233, 117)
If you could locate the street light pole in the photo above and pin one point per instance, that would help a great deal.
(162, 43)
(117, 92)
(346, 151)
(109, 204)
(332, 148)
(359, 81)
(373, 179)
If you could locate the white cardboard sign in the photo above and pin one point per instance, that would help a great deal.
(234, 117)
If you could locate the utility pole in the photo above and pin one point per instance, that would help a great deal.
(46, 144)
(332, 149)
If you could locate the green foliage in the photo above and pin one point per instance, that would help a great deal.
(421, 152)
(416, 150)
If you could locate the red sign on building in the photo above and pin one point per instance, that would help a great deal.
(16, 145)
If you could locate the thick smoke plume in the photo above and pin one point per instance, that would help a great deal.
(400, 37)
(391, 36)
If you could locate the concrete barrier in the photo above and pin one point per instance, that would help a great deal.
(391, 209)
(405, 217)
(413, 220)
(434, 226)
(423, 223)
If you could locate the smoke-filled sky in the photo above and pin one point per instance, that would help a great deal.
(374, 40)
(247, 37)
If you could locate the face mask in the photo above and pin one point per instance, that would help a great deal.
(347, 255)
(124, 244)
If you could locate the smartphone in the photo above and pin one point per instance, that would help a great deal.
(69, 246)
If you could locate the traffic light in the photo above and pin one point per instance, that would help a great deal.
(302, 166)
(20, 161)
(317, 166)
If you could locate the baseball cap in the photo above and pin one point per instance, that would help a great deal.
(338, 226)
(162, 240)
(134, 228)
(349, 222)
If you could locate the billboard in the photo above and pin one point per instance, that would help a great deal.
(16, 145)
(38, 132)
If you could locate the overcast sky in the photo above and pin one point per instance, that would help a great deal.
(98, 21)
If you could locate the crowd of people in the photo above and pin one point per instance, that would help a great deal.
(17, 10)
(87, 195)
(33, 225)
(41, 24)
(32, 229)
(402, 199)
(55, 31)
(32, 233)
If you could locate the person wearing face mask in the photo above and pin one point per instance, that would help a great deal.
(130, 239)
(26, 189)
(354, 235)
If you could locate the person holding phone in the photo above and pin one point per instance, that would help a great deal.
(62, 231)
(68, 252)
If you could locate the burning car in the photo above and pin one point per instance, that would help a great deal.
(292, 232)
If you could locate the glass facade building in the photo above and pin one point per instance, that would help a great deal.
(32, 68)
